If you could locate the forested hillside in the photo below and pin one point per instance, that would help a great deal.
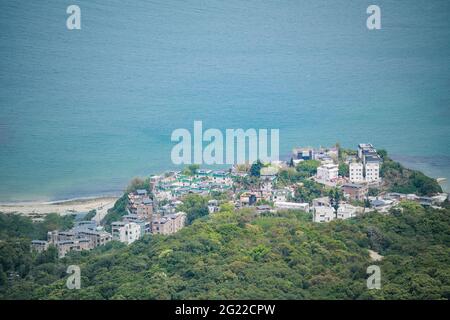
(239, 255)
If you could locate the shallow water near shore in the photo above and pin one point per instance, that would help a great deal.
(82, 112)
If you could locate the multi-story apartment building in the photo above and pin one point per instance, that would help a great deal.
(66, 246)
(140, 204)
(372, 170)
(126, 232)
(367, 166)
(168, 224)
(98, 238)
(146, 226)
(84, 236)
(39, 245)
(356, 172)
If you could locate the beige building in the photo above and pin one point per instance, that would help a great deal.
(169, 224)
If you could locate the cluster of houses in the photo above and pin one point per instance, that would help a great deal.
(159, 214)
(175, 184)
(85, 235)
(145, 217)
(141, 219)
(364, 172)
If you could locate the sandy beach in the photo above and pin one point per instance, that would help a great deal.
(39, 209)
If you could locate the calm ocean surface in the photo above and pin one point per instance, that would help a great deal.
(82, 112)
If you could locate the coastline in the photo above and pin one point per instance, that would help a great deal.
(101, 203)
(38, 209)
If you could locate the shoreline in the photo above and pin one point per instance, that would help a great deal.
(62, 207)
(99, 202)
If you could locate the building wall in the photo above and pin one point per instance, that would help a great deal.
(372, 171)
(127, 232)
(356, 172)
(327, 172)
(323, 214)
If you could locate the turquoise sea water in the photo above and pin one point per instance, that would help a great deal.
(81, 112)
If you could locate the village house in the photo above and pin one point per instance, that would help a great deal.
(323, 214)
(382, 205)
(346, 211)
(321, 202)
(305, 153)
(140, 204)
(222, 177)
(291, 206)
(213, 206)
(39, 245)
(248, 199)
(85, 235)
(66, 246)
(327, 172)
(355, 191)
(169, 224)
(264, 208)
(126, 232)
(146, 226)
(280, 195)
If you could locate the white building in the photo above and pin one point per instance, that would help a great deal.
(365, 148)
(368, 167)
(346, 211)
(372, 171)
(323, 214)
(291, 205)
(280, 195)
(356, 172)
(327, 172)
(126, 232)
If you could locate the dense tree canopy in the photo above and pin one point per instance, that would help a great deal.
(308, 168)
(240, 255)
(400, 179)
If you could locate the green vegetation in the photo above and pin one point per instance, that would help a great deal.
(238, 255)
(120, 207)
(195, 207)
(91, 214)
(16, 259)
(400, 179)
(373, 192)
(245, 255)
(288, 176)
(308, 191)
(191, 169)
(138, 183)
(17, 226)
(303, 171)
(116, 212)
(344, 153)
(308, 168)
(335, 195)
(343, 170)
(255, 169)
